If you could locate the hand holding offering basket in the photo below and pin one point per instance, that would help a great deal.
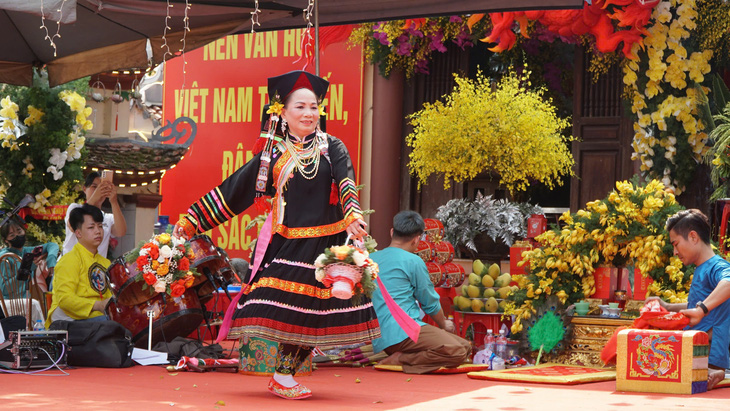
(347, 270)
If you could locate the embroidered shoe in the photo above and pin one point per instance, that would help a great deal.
(297, 392)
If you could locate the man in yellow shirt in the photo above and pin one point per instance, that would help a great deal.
(80, 287)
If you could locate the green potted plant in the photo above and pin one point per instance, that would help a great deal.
(485, 227)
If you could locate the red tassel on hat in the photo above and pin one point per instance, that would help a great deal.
(262, 204)
(259, 145)
(333, 194)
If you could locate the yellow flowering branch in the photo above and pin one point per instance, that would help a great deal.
(511, 130)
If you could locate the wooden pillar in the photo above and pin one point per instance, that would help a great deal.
(387, 142)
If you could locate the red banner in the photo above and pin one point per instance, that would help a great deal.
(224, 92)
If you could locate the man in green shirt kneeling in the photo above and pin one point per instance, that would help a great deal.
(406, 278)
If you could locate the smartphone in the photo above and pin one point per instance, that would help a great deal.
(107, 175)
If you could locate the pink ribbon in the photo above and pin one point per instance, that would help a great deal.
(408, 324)
(262, 244)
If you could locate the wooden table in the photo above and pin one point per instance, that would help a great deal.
(590, 334)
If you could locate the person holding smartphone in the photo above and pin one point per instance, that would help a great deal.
(96, 191)
(44, 259)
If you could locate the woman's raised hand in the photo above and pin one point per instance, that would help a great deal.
(179, 232)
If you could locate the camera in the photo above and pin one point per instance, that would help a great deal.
(27, 262)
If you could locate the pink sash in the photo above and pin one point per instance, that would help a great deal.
(261, 245)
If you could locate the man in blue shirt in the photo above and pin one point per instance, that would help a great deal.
(708, 303)
(406, 278)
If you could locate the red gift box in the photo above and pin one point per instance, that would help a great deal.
(435, 272)
(452, 275)
(515, 256)
(606, 281)
(434, 231)
(641, 284)
(536, 225)
(425, 250)
(442, 252)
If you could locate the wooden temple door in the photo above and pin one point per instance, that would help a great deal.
(600, 122)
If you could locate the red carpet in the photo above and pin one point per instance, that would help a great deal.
(147, 388)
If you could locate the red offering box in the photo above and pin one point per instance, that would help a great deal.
(536, 225)
(425, 250)
(452, 275)
(515, 256)
(434, 230)
(435, 272)
(641, 284)
(443, 252)
(672, 362)
(606, 281)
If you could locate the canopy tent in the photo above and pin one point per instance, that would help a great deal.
(104, 35)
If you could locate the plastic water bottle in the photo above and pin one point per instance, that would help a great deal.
(501, 345)
(489, 341)
(497, 364)
(38, 326)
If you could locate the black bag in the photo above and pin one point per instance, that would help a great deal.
(104, 344)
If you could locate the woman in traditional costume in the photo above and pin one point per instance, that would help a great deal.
(309, 178)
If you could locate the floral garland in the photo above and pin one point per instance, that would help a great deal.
(409, 44)
(164, 265)
(625, 228)
(670, 130)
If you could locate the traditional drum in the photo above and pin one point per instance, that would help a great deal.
(122, 281)
(212, 265)
(172, 317)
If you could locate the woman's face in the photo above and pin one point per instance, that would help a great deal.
(15, 231)
(301, 112)
(89, 191)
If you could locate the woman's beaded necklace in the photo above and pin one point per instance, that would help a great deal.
(305, 156)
